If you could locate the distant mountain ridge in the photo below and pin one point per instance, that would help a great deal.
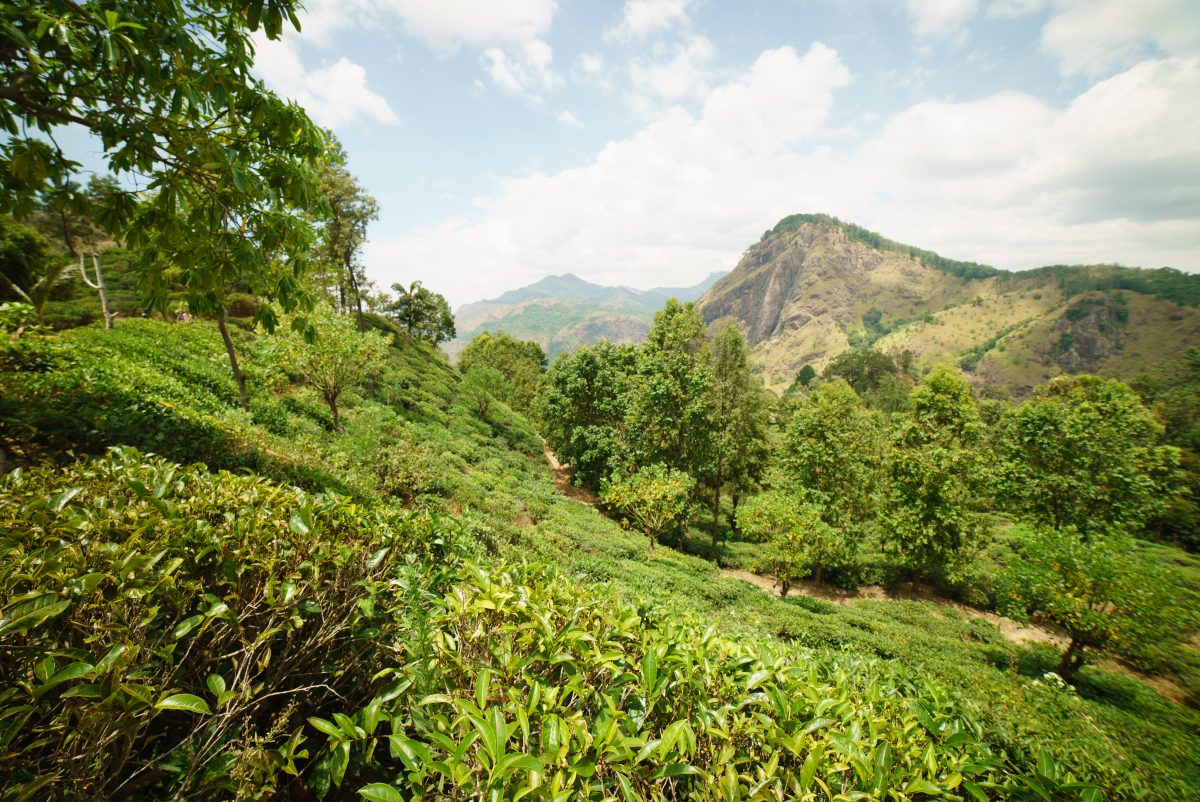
(814, 287)
(565, 311)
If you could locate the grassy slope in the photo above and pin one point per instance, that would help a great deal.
(166, 388)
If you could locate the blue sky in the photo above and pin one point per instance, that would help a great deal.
(649, 142)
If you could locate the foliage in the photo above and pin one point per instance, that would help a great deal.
(520, 361)
(863, 369)
(338, 358)
(420, 312)
(937, 476)
(30, 270)
(799, 542)
(834, 448)
(581, 409)
(655, 498)
(1082, 452)
(337, 270)
(667, 418)
(1099, 590)
(483, 385)
(737, 448)
(196, 620)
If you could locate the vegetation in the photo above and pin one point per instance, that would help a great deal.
(520, 362)
(655, 498)
(421, 313)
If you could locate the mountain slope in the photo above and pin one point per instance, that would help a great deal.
(814, 287)
(564, 312)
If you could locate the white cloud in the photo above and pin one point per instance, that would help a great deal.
(1014, 9)
(642, 18)
(334, 94)
(942, 19)
(568, 120)
(677, 71)
(526, 71)
(1093, 37)
(446, 24)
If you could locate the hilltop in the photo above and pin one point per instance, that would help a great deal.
(814, 287)
(564, 312)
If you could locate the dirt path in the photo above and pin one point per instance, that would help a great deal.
(562, 480)
(1014, 631)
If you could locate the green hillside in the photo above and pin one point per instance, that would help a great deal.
(447, 621)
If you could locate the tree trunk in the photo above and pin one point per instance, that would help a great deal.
(349, 262)
(333, 410)
(784, 587)
(736, 497)
(716, 513)
(233, 361)
(98, 286)
(650, 550)
(817, 570)
(1072, 660)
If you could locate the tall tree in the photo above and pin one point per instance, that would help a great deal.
(737, 418)
(521, 361)
(834, 452)
(668, 416)
(350, 211)
(937, 475)
(1084, 452)
(422, 313)
(29, 268)
(581, 409)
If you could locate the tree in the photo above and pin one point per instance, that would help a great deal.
(581, 409)
(737, 418)
(936, 473)
(804, 378)
(668, 414)
(799, 542)
(482, 385)
(167, 90)
(29, 267)
(1082, 452)
(834, 451)
(423, 314)
(1104, 593)
(521, 361)
(344, 233)
(340, 357)
(864, 369)
(655, 498)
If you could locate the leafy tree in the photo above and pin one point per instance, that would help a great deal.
(805, 377)
(482, 385)
(834, 450)
(521, 361)
(1100, 590)
(668, 405)
(864, 369)
(737, 448)
(936, 473)
(29, 267)
(423, 314)
(581, 409)
(344, 233)
(1083, 453)
(799, 542)
(655, 498)
(168, 91)
(338, 358)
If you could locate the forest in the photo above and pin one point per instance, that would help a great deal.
(259, 539)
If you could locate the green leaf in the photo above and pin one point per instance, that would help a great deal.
(186, 702)
(28, 615)
(187, 625)
(378, 792)
(60, 500)
(327, 727)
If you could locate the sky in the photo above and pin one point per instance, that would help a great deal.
(650, 142)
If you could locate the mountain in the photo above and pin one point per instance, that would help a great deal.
(564, 312)
(814, 286)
